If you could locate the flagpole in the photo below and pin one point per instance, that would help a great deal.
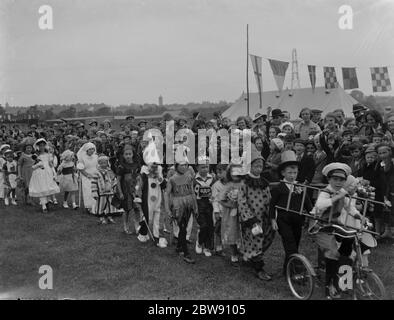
(247, 68)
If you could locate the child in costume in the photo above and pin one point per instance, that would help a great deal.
(68, 179)
(54, 164)
(289, 224)
(331, 202)
(253, 205)
(190, 171)
(181, 203)
(87, 166)
(203, 182)
(128, 189)
(217, 189)
(228, 198)
(152, 184)
(3, 148)
(25, 167)
(10, 170)
(42, 183)
(103, 185)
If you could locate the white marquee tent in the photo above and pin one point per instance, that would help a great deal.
(293, 101)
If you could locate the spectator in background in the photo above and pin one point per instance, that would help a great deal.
(340, 115)
(359, 112)
(287, 128)
(306, 169)
(331, 123)
(373, 124)
(350, 124)
(276, 118)
(306, 126)
(273, 132)
(286, 116)
(316, 118)
(357, 160)
(273, 160)
(389, 124)
(242, 123)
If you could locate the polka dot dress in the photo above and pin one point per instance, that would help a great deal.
(254, 202)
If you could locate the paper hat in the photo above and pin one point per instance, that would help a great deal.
(287, 123)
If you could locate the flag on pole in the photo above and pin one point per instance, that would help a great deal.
(349, 78)
(279, 69)
(380, 79)
(256, 63)
(330, 78)
(312, 75)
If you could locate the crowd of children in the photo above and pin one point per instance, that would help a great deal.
(234, 205)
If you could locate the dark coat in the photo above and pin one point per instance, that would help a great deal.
(306, 169)
(280, 195)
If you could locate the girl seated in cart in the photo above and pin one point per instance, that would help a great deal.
(328, 207)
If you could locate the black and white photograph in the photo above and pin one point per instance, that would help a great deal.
(208, 152)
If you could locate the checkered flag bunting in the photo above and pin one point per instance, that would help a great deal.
(330, 78)
(380, 79)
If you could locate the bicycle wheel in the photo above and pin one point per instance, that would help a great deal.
(368, 286)
(300, 276)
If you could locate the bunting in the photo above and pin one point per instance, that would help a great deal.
(379, 75)
(330, 78)
(349, 78)
(257, 67)
(312, 75)
(279, 69)
(380, 79)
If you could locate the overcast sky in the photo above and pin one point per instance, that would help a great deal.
(123, 51)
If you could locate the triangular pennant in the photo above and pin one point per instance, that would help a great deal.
(312, 75)
(279, 69)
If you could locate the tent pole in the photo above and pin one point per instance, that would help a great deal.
(247, 69)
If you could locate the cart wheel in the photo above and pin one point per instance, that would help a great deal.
(300, 276)
(368, 286)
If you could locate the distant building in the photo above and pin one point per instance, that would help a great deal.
(160, 101)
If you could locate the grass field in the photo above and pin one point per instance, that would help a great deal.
(91, 261)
